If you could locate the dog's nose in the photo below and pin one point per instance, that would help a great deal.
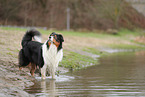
(49, 36)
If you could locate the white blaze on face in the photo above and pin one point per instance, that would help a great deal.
(51, 38)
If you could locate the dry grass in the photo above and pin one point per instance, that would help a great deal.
(74, 42)
(10, 44)
(140, 39)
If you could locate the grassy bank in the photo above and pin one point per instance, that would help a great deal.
(81, 49)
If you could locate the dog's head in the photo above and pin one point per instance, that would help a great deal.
(56, 39)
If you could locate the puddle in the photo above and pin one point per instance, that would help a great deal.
(119, 74)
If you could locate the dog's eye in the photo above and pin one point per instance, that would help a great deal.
(57, 40)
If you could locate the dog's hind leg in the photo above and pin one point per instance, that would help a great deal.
(20, 68)
(23, 61)
(33, 68)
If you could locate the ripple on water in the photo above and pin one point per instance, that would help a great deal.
(121, 74)
(59, 78)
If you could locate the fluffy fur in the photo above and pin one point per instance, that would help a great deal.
(36, 54)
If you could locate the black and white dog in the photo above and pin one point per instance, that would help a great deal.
(42, 55)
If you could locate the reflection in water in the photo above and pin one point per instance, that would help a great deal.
(43, 88)
(48, 88)
(119, 74)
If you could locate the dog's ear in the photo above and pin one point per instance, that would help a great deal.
(61, 38)
(53, 33)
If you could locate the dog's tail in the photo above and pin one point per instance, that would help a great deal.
(32, 33)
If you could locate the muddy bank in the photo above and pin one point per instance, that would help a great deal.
(13, 81)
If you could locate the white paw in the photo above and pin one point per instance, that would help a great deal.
(43, 77)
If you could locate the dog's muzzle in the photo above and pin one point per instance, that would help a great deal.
(50, 39)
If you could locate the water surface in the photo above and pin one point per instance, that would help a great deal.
(118, 74)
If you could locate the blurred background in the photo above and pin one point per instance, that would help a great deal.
(74, 14)
(104, 48)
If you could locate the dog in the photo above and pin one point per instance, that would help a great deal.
(42, 55)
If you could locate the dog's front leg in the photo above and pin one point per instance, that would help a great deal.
(43, 72)
(53, 74)
(54, 67)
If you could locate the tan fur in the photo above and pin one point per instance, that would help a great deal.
(55, 42)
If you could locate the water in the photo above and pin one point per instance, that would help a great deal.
(119, 74)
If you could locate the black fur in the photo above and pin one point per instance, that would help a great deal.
(47, 44)
(29, 35)
(60, 39)
(31, 50)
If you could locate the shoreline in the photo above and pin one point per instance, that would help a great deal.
(14, 81)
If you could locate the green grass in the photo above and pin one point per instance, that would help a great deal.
(121, 33)
(95, 51)
(74, 33)
(10, 53)
(124, 32)
(14, 28)
(76, 61)
(126, 46)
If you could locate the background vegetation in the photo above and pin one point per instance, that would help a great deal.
(84, 14)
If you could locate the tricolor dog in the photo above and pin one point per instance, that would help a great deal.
(42, 55)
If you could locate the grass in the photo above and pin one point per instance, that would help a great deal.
(121, 33)
(2, 43)
(126, 46)
(74, 61)
(94, 51)
(13, 28)
(9, 53)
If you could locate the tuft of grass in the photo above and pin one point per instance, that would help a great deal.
(93, 51)
(2, 43)
(126, 46)
(129, 35)
(9, 53)
(75, 61)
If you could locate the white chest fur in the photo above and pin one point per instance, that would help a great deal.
(51, 57)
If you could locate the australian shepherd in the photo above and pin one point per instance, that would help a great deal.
(42, 55)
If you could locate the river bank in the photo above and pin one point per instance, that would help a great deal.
(80, 51)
